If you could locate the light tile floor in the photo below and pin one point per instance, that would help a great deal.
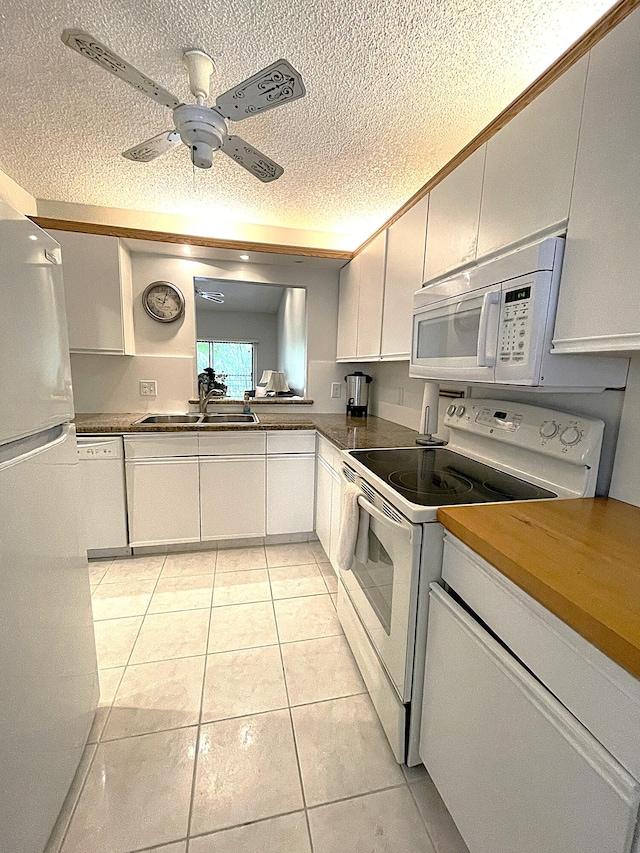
(233, 718)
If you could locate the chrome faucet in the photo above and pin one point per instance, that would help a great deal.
(204, 399)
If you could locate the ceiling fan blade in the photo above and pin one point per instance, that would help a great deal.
(275, 85)
(88, 46)
(152, 148)
(252, 160)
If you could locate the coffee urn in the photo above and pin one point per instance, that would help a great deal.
(357, 393)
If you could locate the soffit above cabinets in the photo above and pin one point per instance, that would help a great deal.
(393, 92)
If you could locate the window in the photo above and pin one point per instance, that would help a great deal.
(233, 358)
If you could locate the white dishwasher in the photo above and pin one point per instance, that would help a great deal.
(103, 491)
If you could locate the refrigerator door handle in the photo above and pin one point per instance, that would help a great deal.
(24, 449)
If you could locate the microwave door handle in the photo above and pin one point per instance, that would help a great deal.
(491, 298)
(384, 519)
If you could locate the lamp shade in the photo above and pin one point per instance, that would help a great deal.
(273, 380)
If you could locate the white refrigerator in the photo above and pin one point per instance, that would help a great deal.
(48, 673)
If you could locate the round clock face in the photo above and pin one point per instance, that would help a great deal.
(163, 301)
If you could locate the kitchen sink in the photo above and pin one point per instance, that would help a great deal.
(230, 419)
(170, 419)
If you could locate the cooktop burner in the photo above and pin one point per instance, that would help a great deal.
(439, 477)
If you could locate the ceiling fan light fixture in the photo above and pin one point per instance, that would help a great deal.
(212, 295)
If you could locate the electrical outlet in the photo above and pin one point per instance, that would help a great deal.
(400, 396)
(148, 388)
(336, 389)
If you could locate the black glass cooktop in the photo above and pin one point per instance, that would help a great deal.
(439, 477)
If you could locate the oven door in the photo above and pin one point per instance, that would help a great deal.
(383, 587)
(456, 337)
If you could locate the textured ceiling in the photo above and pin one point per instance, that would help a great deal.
(394, 90)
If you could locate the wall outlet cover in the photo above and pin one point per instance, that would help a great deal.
(336, 389)
(148, 388)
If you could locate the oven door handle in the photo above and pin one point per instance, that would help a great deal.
(489, 299)
(406, 527)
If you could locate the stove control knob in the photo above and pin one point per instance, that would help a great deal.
(451, 409)
(460, 411)
(570, 436)
(549, 429)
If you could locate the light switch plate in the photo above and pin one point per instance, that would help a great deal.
(148, 388)
(336, 389)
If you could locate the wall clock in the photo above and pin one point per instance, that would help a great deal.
(163, 301)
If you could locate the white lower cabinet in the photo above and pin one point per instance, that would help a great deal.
(336, 507)
(290, 493)
(515, 767)
(162, 498)
(232, 497)
(324, 480)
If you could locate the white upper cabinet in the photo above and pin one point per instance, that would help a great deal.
(598, 307)
(371, 297)
(530, 164)
(405, 263)
(348, 310)
(97, 285)
(454, 214)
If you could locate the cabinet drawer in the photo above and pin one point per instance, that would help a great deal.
(596, 690)
(232, 444)
(515, 769)
(161, 444)
(291, 441)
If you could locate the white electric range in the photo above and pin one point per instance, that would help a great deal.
(497, 452)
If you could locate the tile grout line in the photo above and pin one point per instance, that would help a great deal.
(194, 777)
(293, 730)
(99, 739)
(422, 817)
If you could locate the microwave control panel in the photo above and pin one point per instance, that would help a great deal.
(515, 325)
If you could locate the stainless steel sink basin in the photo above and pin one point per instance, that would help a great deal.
(230, 419)
(170, 419)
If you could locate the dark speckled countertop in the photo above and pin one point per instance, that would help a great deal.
(345, 432)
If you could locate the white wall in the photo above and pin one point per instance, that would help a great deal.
(18, 198)
(625, 482)
(201, 226)
(292, 338)
(163, 350)
(260, 328)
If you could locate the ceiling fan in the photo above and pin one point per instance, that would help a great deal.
(202, 129)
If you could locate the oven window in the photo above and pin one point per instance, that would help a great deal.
(450, 335)
(375, 578)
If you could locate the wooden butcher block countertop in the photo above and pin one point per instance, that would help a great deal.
(578, 558)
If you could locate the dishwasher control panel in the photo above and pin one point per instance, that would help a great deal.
(100, 450)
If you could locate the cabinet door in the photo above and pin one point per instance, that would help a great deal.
(232, 496)
(290, 493)
(336, 508)
(162, 496)
(598, 307)
(530, 163)
(516, 770)
(97, 288)
(324, 482)
(454, 214)
(403, 276)
(348, 310)
(370, 297)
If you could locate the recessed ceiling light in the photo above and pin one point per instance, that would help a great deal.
(186, 250)
(32, 237)
(244, 257)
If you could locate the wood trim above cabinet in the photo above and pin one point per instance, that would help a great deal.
(46, 223)
(578, 49)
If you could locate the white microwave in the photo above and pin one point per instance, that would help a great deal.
(493, 324)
